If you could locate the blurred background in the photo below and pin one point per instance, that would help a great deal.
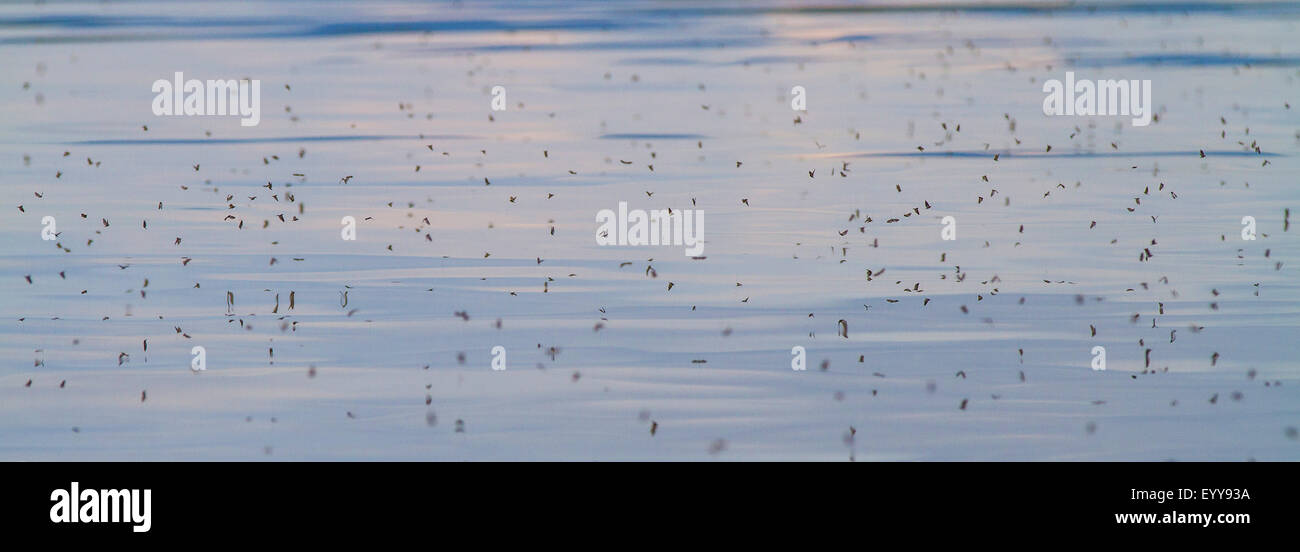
(973, 349)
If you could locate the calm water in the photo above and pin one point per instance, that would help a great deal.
(973, 349)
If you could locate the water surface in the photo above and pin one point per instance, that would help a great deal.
(973, 349)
